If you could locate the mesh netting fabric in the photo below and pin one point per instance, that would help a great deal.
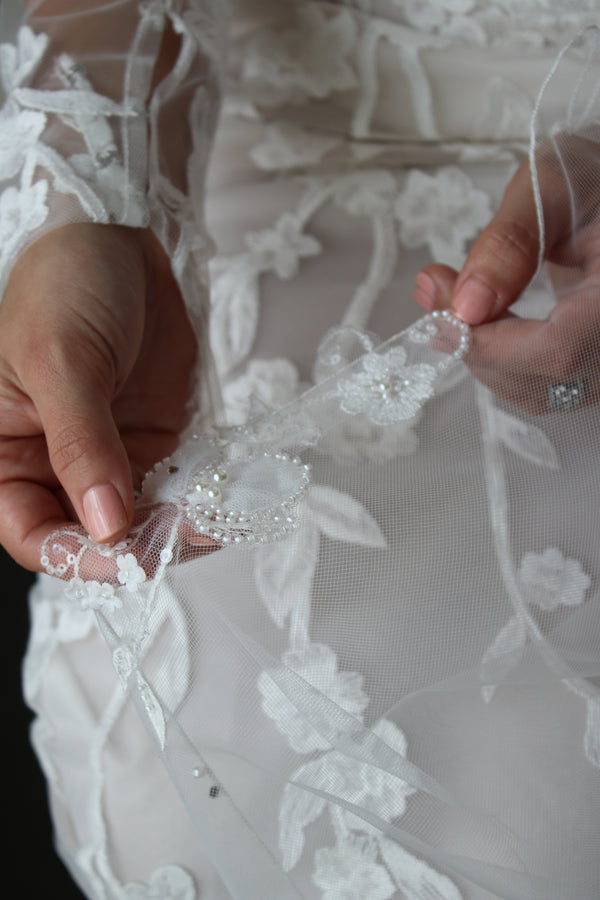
(364, 630)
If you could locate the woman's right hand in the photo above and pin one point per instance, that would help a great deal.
(522, 359)
(96, 360)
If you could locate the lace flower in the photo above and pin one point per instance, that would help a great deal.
(92, 594)
(387, 390)
(307, 60)
(550, 580)
(286, 146)
(166, 883)
(100, 596)
(317, 665)
(130, 574)
(280, 248)
(441, 212)
(367, 786)
(349, 871)
(365, 193)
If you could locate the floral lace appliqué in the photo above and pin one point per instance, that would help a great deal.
(387, 390)
(310, 59)
(550, 580)
(167, 883)
(442, 212)
(317, 664)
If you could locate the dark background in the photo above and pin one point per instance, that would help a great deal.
(28, 831)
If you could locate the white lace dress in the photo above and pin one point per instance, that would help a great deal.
(383, 684)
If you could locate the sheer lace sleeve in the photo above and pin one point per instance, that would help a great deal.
(108, 116)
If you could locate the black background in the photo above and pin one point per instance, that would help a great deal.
(36, 872)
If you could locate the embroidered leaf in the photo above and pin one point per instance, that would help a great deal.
(503, 654)
(284, 572)
(592, 734)
(525, 439)
(342, 518)
(235, 307)
(415, 878)
(298, 809)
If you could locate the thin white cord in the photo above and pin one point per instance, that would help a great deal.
(532, 127)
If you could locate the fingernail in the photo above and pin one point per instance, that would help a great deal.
(424, 292)
(105, 515)
(475, 302)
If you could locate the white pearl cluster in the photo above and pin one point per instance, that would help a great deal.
(209, 506)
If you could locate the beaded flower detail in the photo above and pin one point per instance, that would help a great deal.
(387, 388)
(249, 499)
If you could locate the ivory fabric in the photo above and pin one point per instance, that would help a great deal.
(351, 648)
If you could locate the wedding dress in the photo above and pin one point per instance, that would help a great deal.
(351, 648)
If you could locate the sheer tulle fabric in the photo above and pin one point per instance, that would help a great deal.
(362, 629)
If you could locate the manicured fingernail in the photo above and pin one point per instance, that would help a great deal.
(105, 515)
(475, 302)
(424, 292)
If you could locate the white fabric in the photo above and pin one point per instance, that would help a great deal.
(384, 686)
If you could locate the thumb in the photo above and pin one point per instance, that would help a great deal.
(88, 457)
(503, 258)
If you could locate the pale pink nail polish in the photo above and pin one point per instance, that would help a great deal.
(475, 302)
(424, 292)
(104, 512)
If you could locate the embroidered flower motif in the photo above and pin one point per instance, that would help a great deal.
(387, 390)
(366, 193)
(441, 212)
(286, 146)
(317, 664)
(166, 883)
(550, 580)
(367, 786)
(310, 59)
(280, 248)
(130, 574)
(100, 596)
(350, 871)
(92, 594)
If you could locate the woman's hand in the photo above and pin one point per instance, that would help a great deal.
(521, 359)
(96, 358)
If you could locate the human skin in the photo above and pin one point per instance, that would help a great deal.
(518, 358)
(96, 357)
